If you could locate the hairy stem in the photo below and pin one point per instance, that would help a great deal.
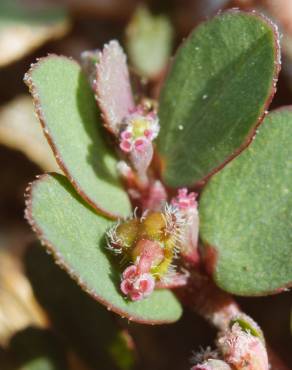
(205, 298)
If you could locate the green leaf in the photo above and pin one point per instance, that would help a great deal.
(38, 349)
(246, 214)
(67, 110)
(23, 29)
(76, 236)
(77, 316)
(149, 42)
(220, 83)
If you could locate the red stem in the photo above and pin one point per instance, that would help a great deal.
(205, 298)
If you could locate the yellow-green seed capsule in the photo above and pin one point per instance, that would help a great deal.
(154, 226)
(127, 232)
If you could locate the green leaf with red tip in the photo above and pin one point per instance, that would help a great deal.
(246, 214)
(67, 110)
(219, 85)
(76, 236)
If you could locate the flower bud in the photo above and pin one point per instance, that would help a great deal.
(243, 350)
(138, 130)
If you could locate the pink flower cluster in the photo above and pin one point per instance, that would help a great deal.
(188, 207)
(140, 131)
(137, 281)
(243, 350)
(135, 285)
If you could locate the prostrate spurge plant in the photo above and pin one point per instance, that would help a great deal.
(118, 196)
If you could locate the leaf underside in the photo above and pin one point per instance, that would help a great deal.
(67, 110)
(246, 213)
(75, 234)
(220, 83)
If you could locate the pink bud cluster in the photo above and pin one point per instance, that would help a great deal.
(242, 350)
(187, 204)
(240, 346)
(135, 285)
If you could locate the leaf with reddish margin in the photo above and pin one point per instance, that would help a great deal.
(75, 234)
(113, 89)
(216, 93)
(246, 214)
(66, 108)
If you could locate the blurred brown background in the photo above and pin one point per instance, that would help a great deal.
(88, 25)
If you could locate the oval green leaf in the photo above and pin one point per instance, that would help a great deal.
(75, 234)
(220, 83)
(67, 110)
(246, 214)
